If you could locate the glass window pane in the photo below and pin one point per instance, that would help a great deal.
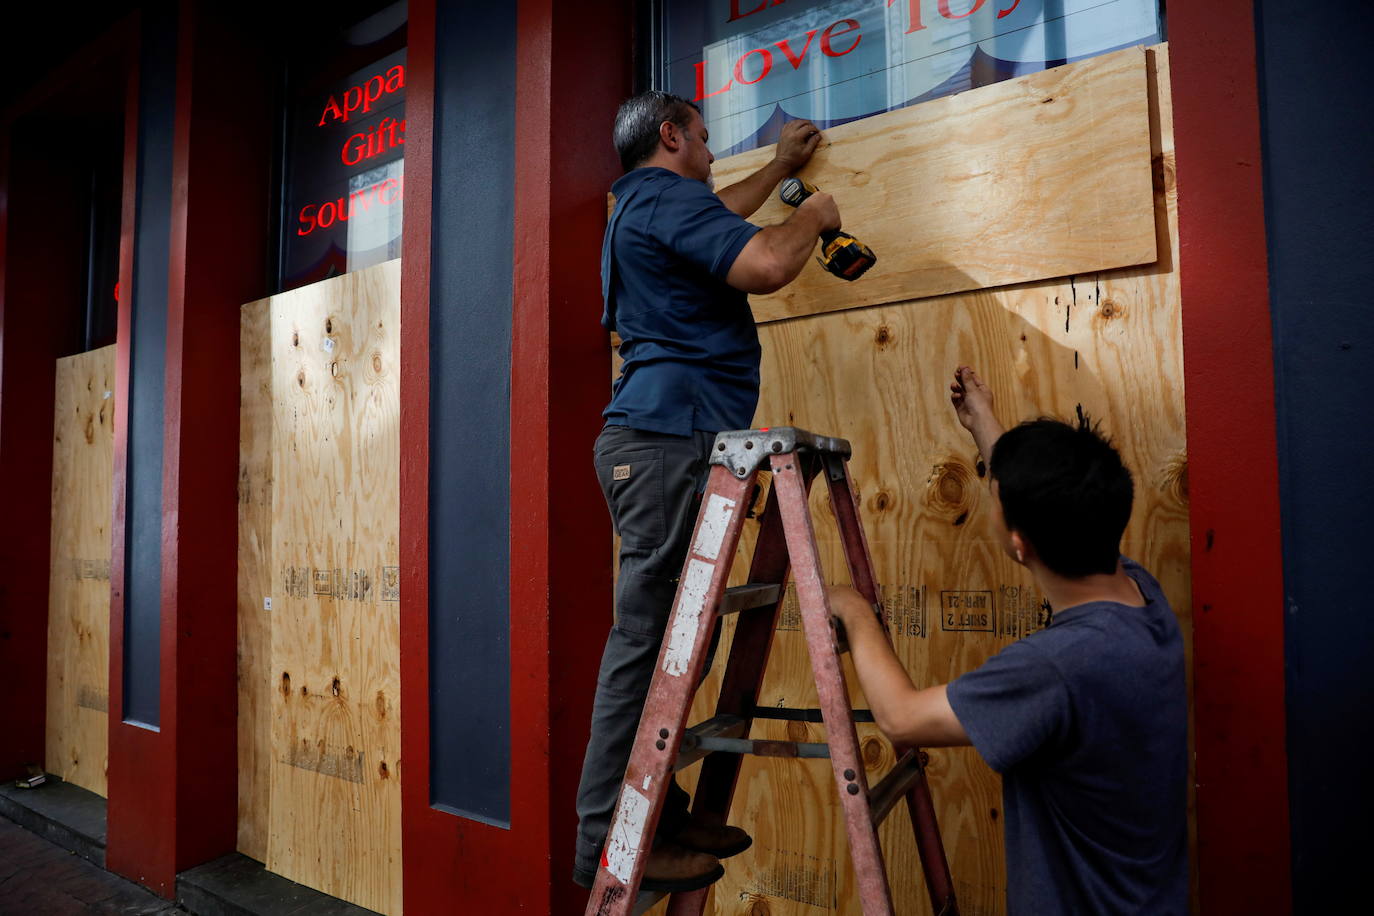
(753, 65)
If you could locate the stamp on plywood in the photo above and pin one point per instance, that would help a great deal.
(1021, 611)
(391, 583)
(324, 583)
(904, 606)
(295, 581)
(795, 876)
(967, 611)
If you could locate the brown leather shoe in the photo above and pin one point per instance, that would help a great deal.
(722, 842)
(672, 868)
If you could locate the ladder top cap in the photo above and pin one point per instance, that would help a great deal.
(743, 450)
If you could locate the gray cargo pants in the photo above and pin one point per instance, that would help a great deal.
(652, 483)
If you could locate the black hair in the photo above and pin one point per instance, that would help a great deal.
(638, 120)
(1067, 492)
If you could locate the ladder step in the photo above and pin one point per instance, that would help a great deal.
(902, 776)
(722, 726)
(803, 715)
(747, 597)
(762, 748)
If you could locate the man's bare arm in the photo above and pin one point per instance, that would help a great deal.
(776, 254)
(908, 716)
(797, 142)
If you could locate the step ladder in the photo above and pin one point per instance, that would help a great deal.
(664, 744)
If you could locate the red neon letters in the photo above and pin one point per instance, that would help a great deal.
(388, 134)
(362, 96)
(794, 57)
(322, 216)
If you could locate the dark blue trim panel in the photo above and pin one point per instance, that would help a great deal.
(1317, 130)
(147, 371)
(470, 361)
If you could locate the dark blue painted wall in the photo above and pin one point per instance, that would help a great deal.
(147, 365)
(469, 474)
(1317, 126)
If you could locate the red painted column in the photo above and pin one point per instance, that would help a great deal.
(1244, 859)
(43, 173)
(173, 793)
(572, 69)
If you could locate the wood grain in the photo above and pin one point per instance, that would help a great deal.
(1107, 343)
(77, 740)
(1043, 176)
(255, 578)
(335, 815)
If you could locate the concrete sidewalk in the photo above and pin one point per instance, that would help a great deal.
(39, 878)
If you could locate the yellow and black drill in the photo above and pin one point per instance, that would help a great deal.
(843, 255)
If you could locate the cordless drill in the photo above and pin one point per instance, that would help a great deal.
(843, 255)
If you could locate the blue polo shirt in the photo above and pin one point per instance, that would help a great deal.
(688, 343)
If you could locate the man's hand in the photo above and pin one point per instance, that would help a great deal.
(825, 210)
(796, 143)
(972, 400)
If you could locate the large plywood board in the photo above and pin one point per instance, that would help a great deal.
(79, 575)
(1043, 176)
(1108, 344)
(255, 579)
(335, 816)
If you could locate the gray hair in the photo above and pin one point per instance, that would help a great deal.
(638, 120)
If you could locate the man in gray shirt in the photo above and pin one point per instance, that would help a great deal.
(1087, 719)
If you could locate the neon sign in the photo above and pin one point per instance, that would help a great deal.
(345, 174)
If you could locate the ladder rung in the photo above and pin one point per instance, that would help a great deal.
(894, 785)
(804, 715)
(762, 748)
(722, 726)
(746, 597)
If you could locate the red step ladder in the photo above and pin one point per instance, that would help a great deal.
(664, 744)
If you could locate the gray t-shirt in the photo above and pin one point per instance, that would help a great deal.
(1087, 721)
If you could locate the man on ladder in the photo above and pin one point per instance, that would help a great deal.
(677, 263)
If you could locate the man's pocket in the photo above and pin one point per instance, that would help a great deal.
(632, 482)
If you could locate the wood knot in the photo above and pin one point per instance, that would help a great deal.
(381, 704)
(285, 684)
(1110, 309)
(90, 430)
(295, 338)
(382, 770)
(335, 685)
(329, 325)
(1163, 174)
(758, 906)
(993, 813)
(1174, 479)
(882, 337)
(797, 731)
(948, 491)
(377, 363)
(881, 501)
(873, 750)
(300, 378)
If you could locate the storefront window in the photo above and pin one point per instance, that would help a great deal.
(344, 174)
(755, 64)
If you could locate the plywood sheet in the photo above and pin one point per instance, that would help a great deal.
(1043, 176)
(335, 774)
(79, 575)
(255, 579)
(1107, 343)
